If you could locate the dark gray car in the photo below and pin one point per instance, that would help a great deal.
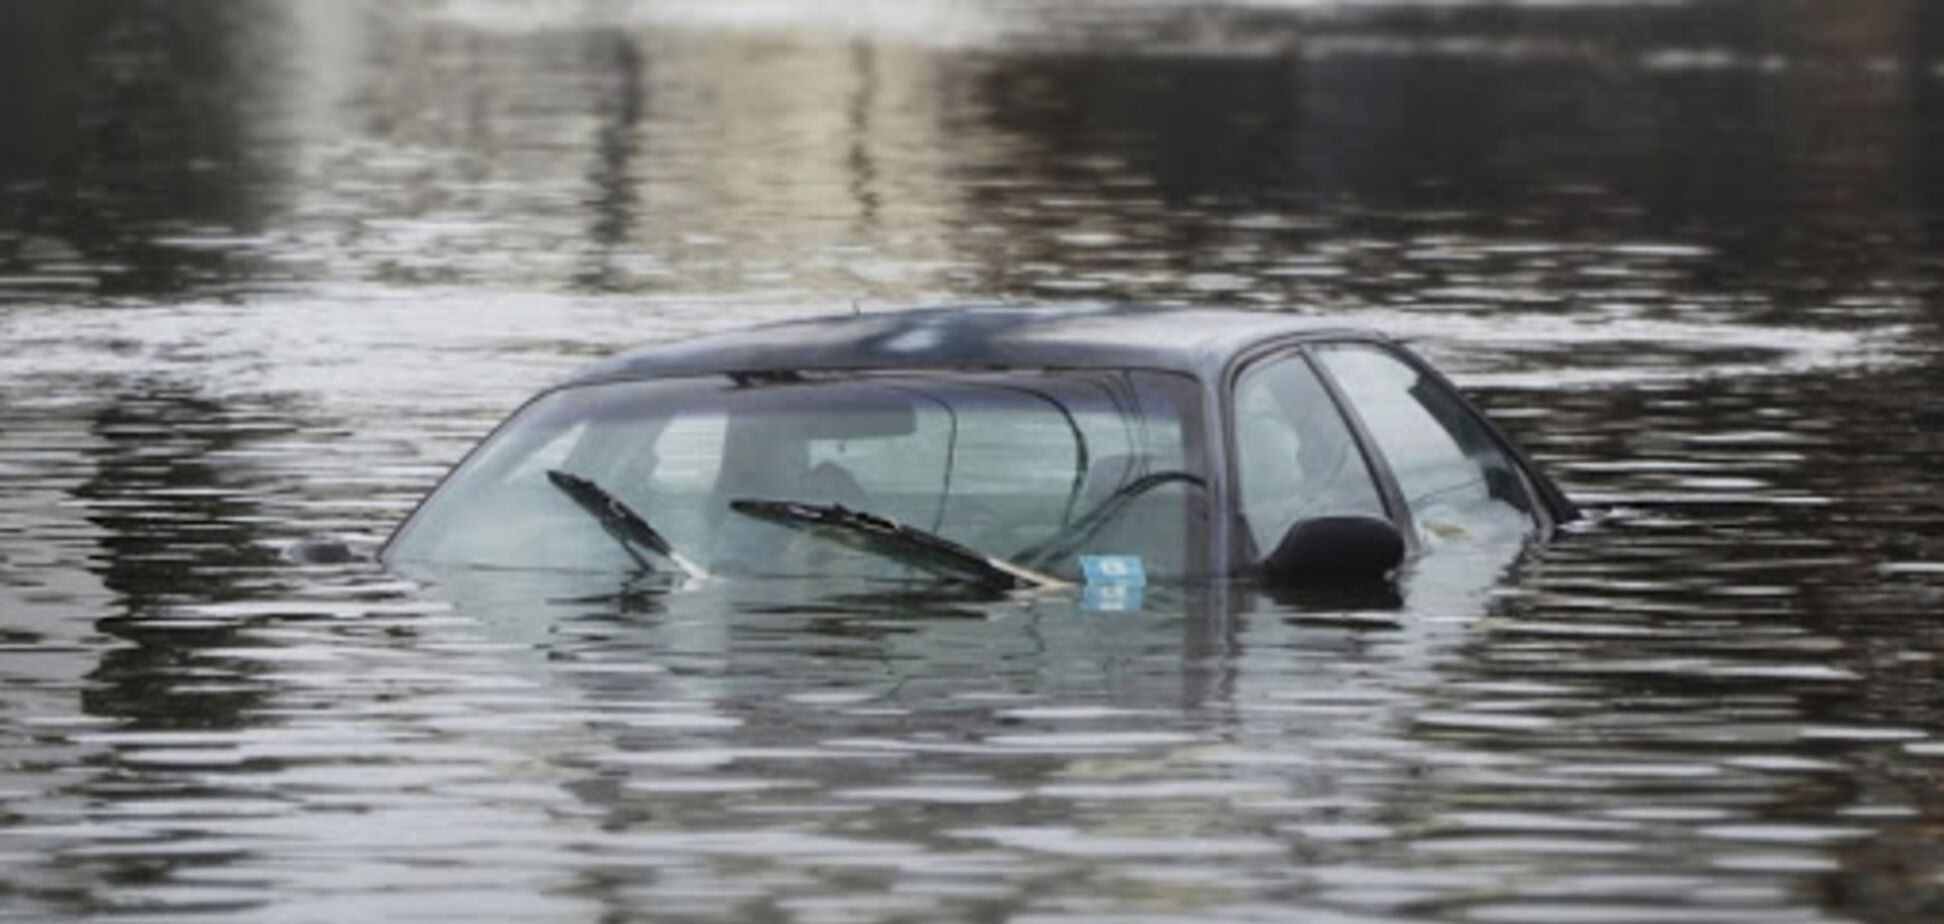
(1013, 446)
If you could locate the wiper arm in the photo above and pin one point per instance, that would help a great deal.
(621, 521)
(888, 538)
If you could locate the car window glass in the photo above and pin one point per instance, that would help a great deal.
(1018, 478)
(686, 453)
(551, 454)
(675, 467)
(1295, 456)
(1003, 463)
(1456, 480)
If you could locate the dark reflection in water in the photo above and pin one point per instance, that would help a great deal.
(177, 519)
(129, 124)
(267, 268)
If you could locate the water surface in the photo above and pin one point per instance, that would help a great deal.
(266, 269)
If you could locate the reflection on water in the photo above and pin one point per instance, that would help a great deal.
(267, 268)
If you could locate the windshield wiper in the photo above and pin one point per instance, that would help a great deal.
(868, 532)
(621, 521)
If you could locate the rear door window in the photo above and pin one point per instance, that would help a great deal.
(1457, 481)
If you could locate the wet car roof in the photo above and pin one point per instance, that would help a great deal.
(1193, 340)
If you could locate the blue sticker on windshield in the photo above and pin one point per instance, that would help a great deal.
(1116, 570)
(1114, 582)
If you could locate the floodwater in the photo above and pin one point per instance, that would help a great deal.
(266, 269)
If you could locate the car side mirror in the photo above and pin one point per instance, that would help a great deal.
(1335, 550)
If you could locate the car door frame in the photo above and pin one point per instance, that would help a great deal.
(1549, 505)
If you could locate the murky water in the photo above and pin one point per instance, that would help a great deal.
(267, 268)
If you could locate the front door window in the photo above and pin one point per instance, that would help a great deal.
(1295, 455)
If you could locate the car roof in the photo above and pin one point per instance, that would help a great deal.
(1198, 341)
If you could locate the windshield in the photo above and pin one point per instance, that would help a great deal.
(1038, 470)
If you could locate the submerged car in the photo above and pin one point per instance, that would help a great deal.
(1016, 447)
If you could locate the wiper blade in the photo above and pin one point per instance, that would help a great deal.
(868, 532)
(621, 521)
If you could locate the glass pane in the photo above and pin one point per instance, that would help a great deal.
(1457, 481)
(1004, 463)
(1296, 457)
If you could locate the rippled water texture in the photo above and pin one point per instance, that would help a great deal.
(266, 269)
